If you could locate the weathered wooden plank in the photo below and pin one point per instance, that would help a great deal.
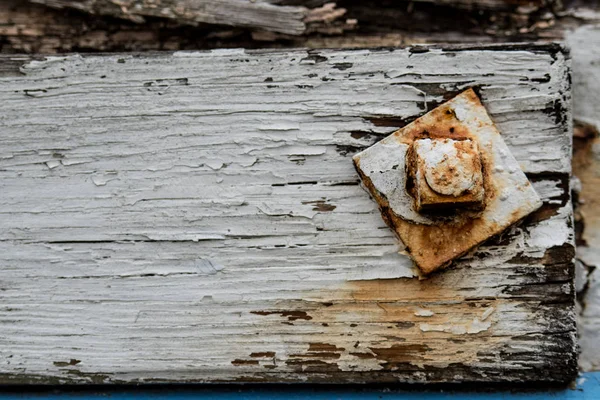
(270, 15)
(34, 28)
(196, 217)
(585, 46)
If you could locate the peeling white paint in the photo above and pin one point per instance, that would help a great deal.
(475, 326)
(52, 164)
(157, 273)
(549, 233)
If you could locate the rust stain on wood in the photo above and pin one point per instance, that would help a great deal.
(415, 323)
(343, 331)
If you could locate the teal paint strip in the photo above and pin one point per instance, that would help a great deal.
(588, 388)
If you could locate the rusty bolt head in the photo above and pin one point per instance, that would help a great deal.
(445, 174)
(450, 155)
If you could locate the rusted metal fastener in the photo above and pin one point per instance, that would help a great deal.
(445, 174)
(447, 182)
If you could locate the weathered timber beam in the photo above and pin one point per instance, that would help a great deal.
(196, 216)
(267, 15)
(585, 49)
(32, 28)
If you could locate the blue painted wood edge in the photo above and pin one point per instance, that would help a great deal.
(587, 388)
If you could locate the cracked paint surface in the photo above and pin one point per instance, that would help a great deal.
(190, 234)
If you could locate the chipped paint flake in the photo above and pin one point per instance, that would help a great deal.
(52, 164)
(423, 313)
(475, 326)
(487, 313)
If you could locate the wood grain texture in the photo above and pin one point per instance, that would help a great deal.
(269, 15)
(585, 47)
(37, 29)
(34, 28)
(197, 217)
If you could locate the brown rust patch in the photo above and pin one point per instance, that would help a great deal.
(405, 294)
(455, 181)
(431, 245)
(430, 313)
(452, 234)
(441, 125)
(434, 246)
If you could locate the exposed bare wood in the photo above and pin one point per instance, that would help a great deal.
(197, 217)
(585, 47)
(35, 29)
(261, 14)
(31, 28)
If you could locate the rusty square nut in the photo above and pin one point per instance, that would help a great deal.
(453, 156)
(445, 174)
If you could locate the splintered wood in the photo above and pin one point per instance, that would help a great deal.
(196, 217)
(269, 15)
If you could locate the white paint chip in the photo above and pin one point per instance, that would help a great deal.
(423, 313)
(487, 313)
(52, 164)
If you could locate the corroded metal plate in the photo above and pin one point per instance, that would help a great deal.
(433, 241)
